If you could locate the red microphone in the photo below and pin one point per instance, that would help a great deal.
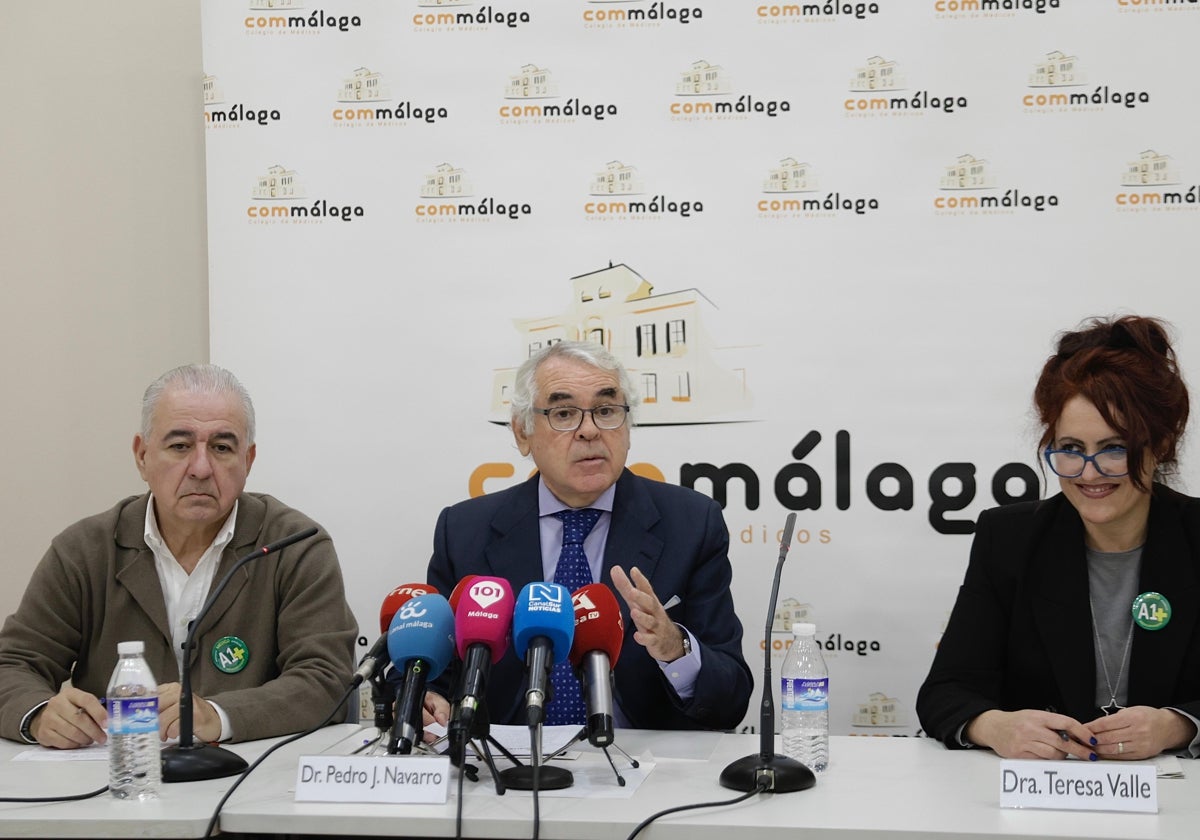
(482, 626)
(599, 633)
(396, 598)
(376, 659)
(459, 589)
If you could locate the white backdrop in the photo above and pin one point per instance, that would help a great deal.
(906, 308)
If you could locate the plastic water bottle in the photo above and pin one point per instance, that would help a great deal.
(804, 689)
(134, 762)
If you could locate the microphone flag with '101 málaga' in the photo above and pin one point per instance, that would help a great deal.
(599, 633)
(421, 645)
(482, 625)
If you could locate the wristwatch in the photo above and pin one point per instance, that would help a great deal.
(687, 641)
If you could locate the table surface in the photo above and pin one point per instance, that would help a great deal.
(875, 788)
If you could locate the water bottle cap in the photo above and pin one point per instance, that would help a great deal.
(127, 648)
(806, 628)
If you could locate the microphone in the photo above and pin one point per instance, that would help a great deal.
(375, 659)
(188, 761)
(543, 628)
(599, 633)
(421, 644)
(482, 624)
(459, 589)
(768, 770)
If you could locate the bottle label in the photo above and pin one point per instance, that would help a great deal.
(132, 715)
(805, 694)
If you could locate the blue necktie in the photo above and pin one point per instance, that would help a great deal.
(573, 572)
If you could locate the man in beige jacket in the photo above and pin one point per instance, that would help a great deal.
(274, 654)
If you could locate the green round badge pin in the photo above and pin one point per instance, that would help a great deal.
(1151, 611)
(230, 654)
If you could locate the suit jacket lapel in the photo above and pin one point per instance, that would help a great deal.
(135, 565)
(1061, 612)
(630, 540)
(1167, 570)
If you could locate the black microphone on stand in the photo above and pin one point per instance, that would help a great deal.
(767, 769)
(189, 761)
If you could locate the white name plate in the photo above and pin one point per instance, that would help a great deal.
(1079, 785)
(404, 779)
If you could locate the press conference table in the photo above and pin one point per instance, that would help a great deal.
(875, 789)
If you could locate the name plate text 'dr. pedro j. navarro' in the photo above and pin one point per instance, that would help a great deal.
(361, 778)
(1079, 786)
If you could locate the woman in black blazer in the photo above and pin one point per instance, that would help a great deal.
(1076, 628)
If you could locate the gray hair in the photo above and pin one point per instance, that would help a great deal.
(197, 379)
(588, 352)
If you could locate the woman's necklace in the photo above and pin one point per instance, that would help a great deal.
(1112, 705)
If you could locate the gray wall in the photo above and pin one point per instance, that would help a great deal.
(103, 256)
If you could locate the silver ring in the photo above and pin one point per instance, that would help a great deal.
(1120, 747)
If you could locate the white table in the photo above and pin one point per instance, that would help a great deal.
(875, 788)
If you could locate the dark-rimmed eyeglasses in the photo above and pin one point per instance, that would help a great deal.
(568, 418)
(1067, 463)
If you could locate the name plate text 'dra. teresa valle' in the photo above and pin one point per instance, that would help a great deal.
(1079, 785)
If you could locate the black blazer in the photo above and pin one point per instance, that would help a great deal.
(1020, 635)
(679, 540)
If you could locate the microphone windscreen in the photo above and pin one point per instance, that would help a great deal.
(598, 623)
(396, 598)
(459, 588)
(484, 616)
(423, 628)
(544, 609)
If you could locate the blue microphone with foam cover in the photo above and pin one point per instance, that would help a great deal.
(543, 629)
(421, 645)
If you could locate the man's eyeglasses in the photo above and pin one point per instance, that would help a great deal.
(568, 418)
(1067, 463)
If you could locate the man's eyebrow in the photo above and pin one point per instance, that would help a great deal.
(179, 433)
(607, 392)
(559, 396)
(224, 437)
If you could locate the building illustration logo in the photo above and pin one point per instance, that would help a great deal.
(533, 85)
(879, 710)
(1150, 170)
(703, 79)
(446, 181)
(1057, 70)
(789, 611)
(682, 376)
(532, 82)
(877, 74)
(277, 183)
(363, 86)
(616, 179)
(699, 85)
(791, 176)
(967, 173)
(212, 91)
(1152, 183)
(278, 198)
(447, 196)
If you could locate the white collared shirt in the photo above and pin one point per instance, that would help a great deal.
(184, 594)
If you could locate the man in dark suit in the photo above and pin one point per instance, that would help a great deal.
(681, 665)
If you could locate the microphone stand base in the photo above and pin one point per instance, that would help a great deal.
(549, 777)
(199, 761)
(783, 774)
